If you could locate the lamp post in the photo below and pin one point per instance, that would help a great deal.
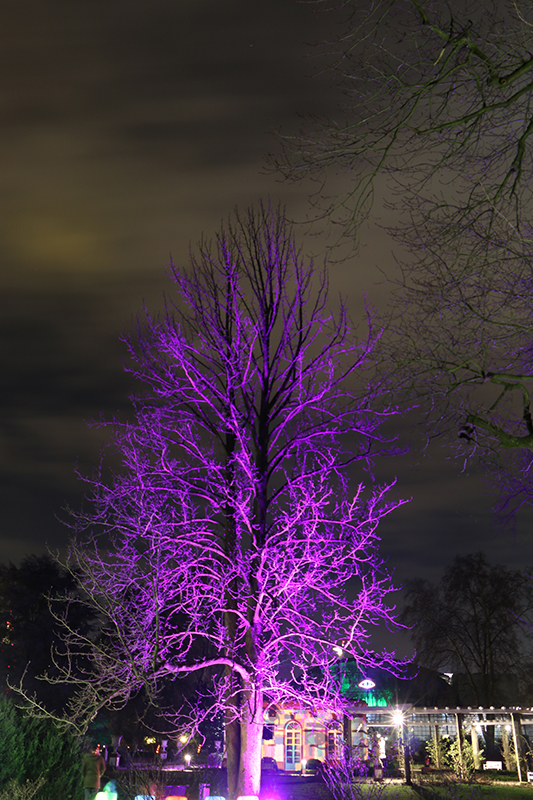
(399, 721)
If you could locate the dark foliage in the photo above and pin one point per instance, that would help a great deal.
(30, 598)
(34, 748)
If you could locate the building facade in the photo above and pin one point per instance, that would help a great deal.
(297, 735)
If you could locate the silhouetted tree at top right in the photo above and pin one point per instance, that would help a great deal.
(433, 141)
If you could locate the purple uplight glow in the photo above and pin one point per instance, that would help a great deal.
(230, 534)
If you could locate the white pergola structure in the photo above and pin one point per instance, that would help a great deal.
(406, 718)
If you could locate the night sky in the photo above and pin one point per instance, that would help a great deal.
(128, 129)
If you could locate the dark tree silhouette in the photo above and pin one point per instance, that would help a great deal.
(31, 598)
(459, 340)
(438, 110)
(437, 126)
(228, 539)
(475, 622)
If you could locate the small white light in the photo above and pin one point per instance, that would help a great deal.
(397, 718)
(366, 683)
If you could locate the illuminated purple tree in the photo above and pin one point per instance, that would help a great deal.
(230, 535)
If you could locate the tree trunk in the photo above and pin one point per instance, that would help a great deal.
(249, 780)
(232, 700)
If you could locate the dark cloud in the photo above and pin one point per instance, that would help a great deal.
(128, 129)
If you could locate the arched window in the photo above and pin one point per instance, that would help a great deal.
(293, 745)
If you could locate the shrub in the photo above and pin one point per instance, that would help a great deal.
(37, 758)
(11, 744)
(21, 791)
